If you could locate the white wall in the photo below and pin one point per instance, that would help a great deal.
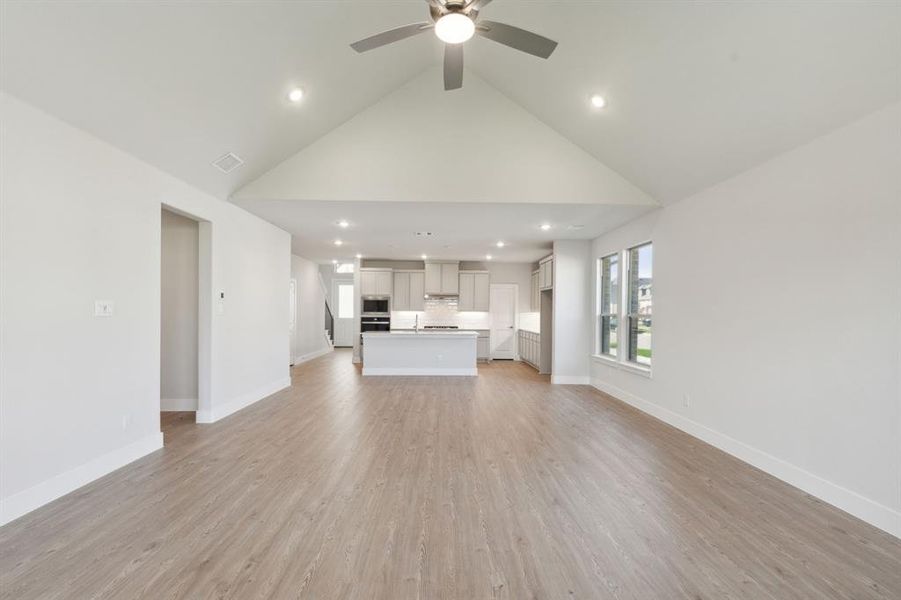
(309, 338)
(80, 221)
(179, 280)
(571, 312)
(776, 309)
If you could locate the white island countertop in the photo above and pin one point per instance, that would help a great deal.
(405, 333)
(420, 353)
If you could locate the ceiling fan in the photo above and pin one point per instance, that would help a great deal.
(454, 22)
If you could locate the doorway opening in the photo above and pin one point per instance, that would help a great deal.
(343, 295)
(184, 320)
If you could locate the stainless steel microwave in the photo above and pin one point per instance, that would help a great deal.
(376, 305)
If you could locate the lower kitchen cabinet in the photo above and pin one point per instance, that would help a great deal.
(530, 347)
(483, 345)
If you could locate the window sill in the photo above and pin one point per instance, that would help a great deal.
(632, 368)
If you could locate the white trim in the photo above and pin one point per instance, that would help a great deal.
(571, 379)
(625, 366)
(243, 401)
(863, 508)
(177, 404)
(420, 371)
(311, 355)
(57, 486)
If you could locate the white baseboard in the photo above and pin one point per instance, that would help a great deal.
(302, 358)
(418, 372)
(571, 379)
(863, 508)
(232, 406)
(178, 404)
(38, 495)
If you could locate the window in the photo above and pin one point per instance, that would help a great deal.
(624, 306)
(344, 267)
(608, 305)
(640, 303)
(346, 300)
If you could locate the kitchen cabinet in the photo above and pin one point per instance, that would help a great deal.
(529, 347)
(376, 282)
(483, 345)
(474, 289)
(401, 298)
(535, 295)
(417, 291)
(442, 278)
(408, 290)
(546, 273)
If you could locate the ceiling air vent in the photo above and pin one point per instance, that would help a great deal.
(228, 162)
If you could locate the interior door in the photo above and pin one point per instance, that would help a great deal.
(343, 296)
(502, 305)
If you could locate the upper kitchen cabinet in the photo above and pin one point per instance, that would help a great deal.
(535, 296)
(376, 282)
(442, 278)
(473, 291)
(409, 289)
(546, 273)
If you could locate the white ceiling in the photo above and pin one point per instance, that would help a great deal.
(697, 91)
(460, 231)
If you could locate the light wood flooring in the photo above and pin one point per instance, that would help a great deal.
(500, 486)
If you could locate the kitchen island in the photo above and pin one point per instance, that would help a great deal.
(420, 353)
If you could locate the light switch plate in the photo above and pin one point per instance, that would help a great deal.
(103, 308)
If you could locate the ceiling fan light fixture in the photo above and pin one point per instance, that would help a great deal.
(454, 28)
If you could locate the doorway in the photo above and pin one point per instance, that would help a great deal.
(179, 315)
(343, 295)
(502, 303)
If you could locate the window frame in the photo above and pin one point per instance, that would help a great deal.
(628, 315)
(602, 275)
(623, 349)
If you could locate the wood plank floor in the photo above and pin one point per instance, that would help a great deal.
(500, 486)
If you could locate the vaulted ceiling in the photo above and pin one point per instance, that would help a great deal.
(696, 91)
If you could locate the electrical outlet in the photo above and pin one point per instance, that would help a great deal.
(103, 308)
(686, 400)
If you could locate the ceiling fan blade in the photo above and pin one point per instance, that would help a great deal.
(453, 66)
(517, 38)
(478, 4)
(392, 35)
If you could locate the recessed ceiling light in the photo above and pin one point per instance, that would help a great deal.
(424, 257)
(598, 101)
(454, 28)
(343, 224)
(500, 244)
(487, 257)
(295, 95)
(338, 242)
(545, 227)
(359, 256)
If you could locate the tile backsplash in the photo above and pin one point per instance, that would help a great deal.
(443, 311)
